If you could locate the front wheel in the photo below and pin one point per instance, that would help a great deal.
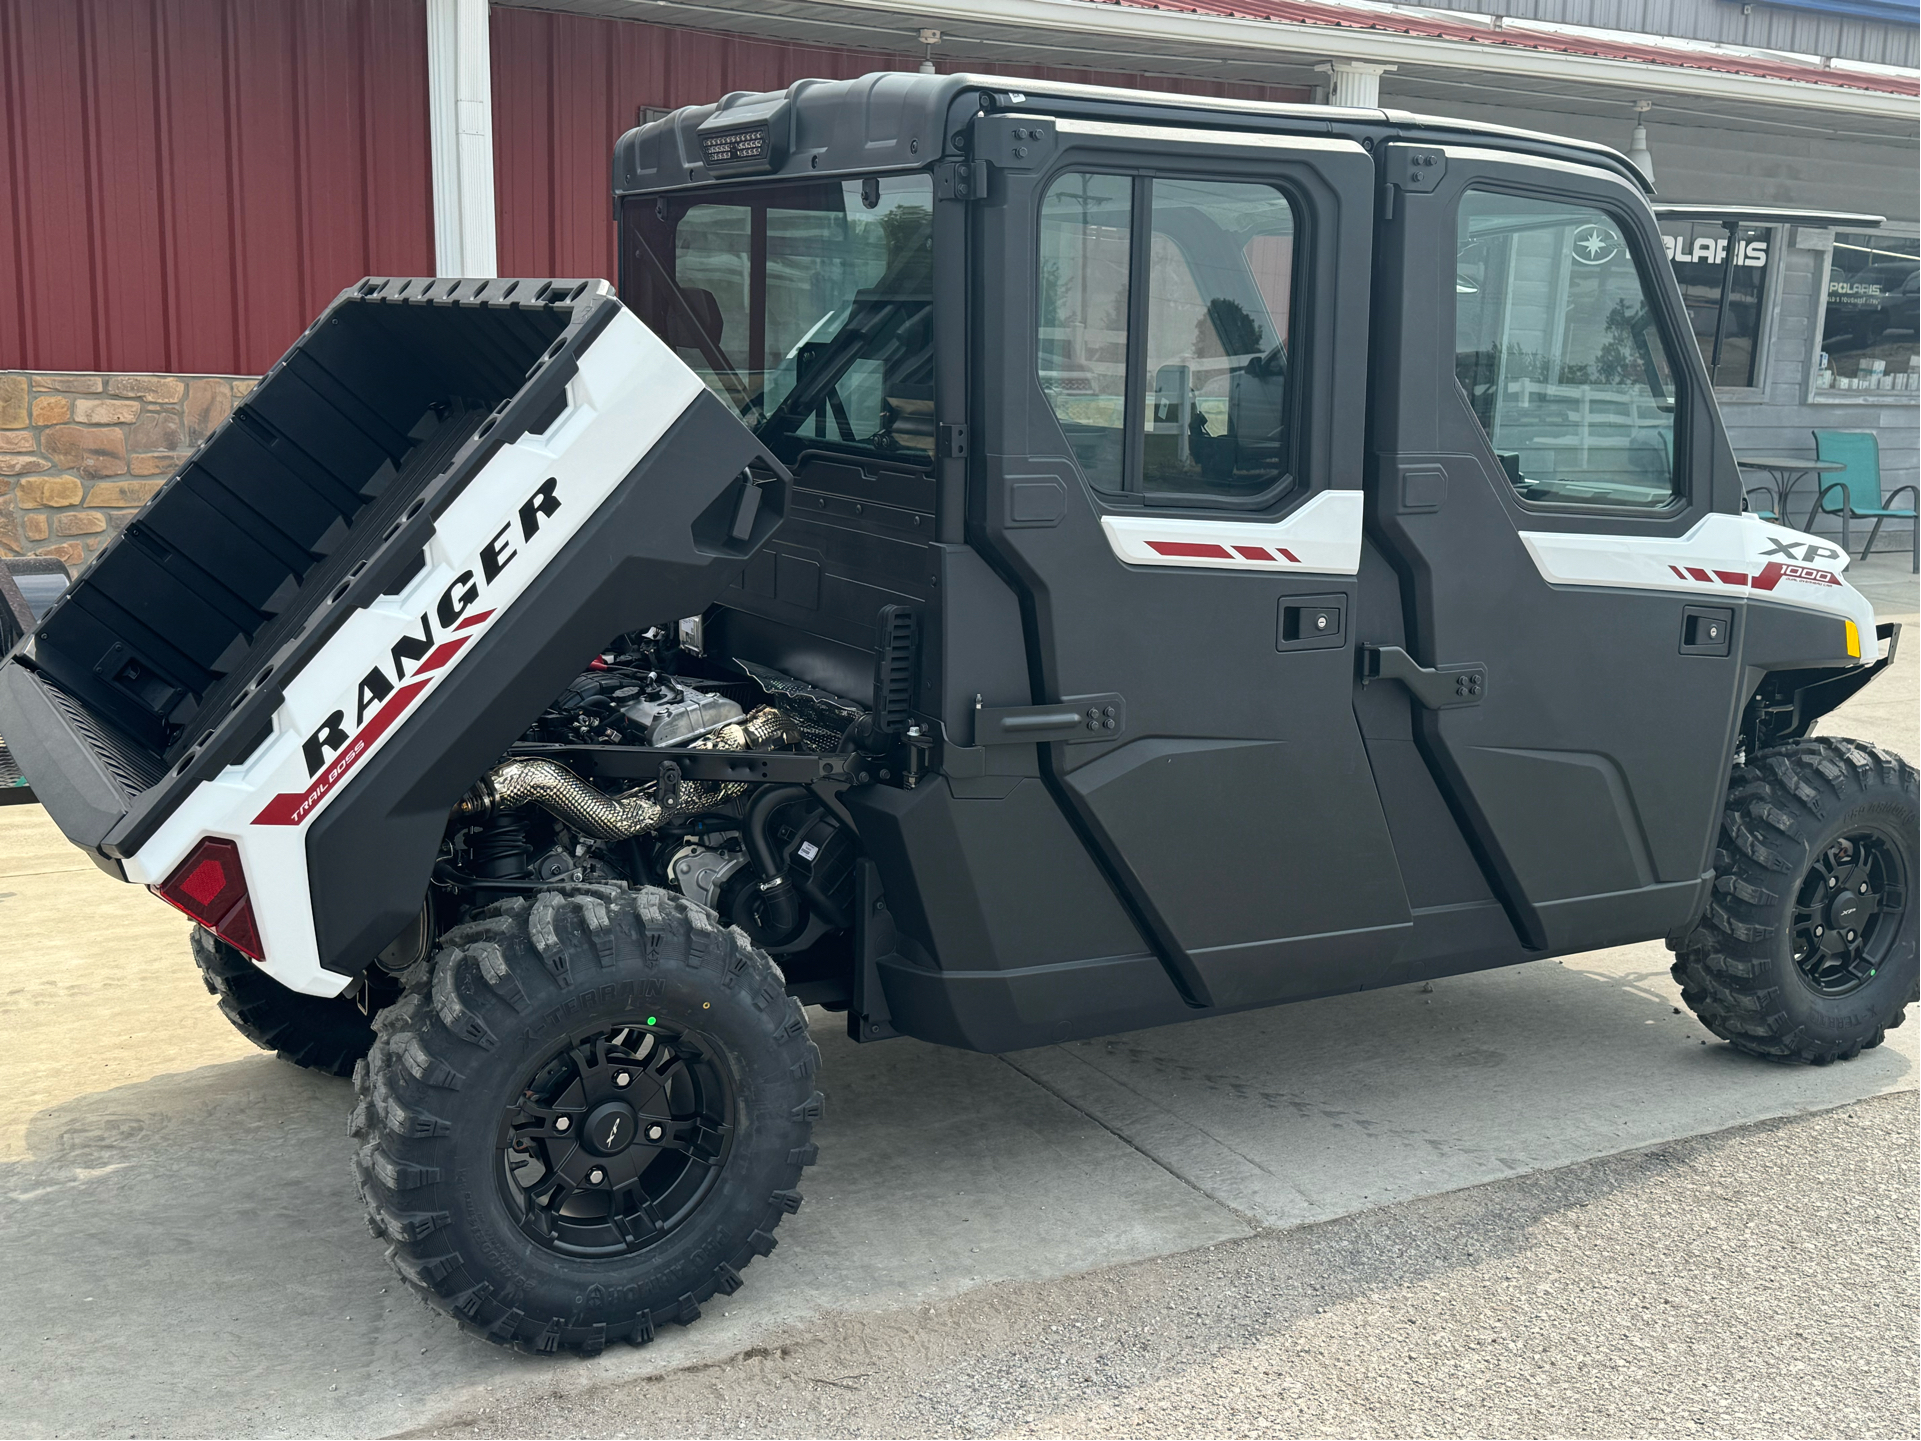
(1807, 951)
(586, 1116)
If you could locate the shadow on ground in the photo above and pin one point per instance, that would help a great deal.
(187, 1254)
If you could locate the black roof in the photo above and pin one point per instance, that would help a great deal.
(898, 120)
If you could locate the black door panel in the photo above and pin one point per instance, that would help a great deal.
(1231, 838)
(1238, 814)
(1589, 774)
(1566, 818)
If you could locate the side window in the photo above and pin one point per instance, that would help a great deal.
(1560, 355)
(1220, 267)
(1162, 338)
(1086, 225)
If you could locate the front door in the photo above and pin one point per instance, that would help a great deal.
(1169, 371)
(1545, 462)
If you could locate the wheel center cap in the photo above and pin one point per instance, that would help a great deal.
(1846, 910)
(610, 1128)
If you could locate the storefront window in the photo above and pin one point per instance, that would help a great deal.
(1699, 252)
(1869, 336)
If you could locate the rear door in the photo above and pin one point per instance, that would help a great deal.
(1543, 435)
(1169, 373)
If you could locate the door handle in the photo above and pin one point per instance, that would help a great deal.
(1076, 718)
(1445, 687)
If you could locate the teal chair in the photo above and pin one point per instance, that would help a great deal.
(1855, 493)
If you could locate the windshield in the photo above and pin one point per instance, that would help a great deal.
(806, 306)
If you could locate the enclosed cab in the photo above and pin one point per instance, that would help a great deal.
(1006, 563)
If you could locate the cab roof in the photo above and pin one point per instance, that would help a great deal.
(898, 120)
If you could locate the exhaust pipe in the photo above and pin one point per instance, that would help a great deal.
(535, 780)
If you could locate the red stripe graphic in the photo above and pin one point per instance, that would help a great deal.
(1208, 550)
(474, 620)
(1199, 549)
(1771, 575)
(288, 809)
(442, 653)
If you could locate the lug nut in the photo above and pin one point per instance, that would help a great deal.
(1820, 931)
(1833, 881)
(654, 1133)
(622, 1078)
(1850, 937)
(596, 1176)
(1864, 888)
(566, 1123)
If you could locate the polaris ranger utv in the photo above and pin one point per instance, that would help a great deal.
(1011, 563)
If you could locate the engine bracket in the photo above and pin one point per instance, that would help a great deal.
(644, 763)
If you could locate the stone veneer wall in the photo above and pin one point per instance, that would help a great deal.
(80, 454)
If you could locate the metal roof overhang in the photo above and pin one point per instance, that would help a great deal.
(1090, 34)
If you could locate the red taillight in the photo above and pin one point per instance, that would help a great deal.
(210, 886)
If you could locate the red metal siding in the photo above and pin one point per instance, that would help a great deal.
(192, 180)
(567, 86)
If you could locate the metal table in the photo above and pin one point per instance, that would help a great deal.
(1785, 472)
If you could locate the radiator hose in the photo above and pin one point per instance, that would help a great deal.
(779, 900)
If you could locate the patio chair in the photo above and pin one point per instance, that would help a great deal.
(1855, 493)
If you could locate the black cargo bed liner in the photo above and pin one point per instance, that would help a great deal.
(165, 658)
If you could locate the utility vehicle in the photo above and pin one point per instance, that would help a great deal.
(1010, 562)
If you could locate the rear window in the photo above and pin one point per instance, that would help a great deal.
(806, 306)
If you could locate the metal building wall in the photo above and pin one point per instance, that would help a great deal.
(1878, 33)
(190, 181)
(567, 86)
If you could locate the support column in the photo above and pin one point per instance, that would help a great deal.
(461, 126)
(1353, 83)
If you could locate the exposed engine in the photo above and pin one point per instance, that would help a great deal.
(772, 859)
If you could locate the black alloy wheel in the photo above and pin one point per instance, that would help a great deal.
(616, 1140)
(1807, 951)
(586, 1116)
(1848, 911)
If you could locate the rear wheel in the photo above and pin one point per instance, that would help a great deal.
(321, 1033)
(585, 1116)
(1808, 948)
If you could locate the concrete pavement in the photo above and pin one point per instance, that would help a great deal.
(1729, 1285)
(185, 1255)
